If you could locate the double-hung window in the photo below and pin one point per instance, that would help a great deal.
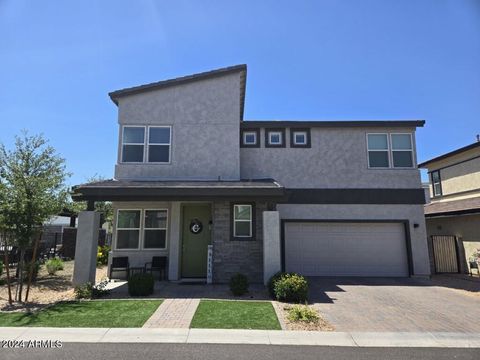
(155, 229)
(402, 150)
(377, 145)
(159, 141)
(146, 144)
(242, 221)
(436, 183)
(133, 141)
(128, 229)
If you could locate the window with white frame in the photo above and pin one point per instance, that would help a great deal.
(155, 229)
(249, 138)
(275, 138)
(436, 183)
(402, 150)
(300, 138)
(133, 141)
(378, 151)
(159, 141)
(242, 221)
(128, 229)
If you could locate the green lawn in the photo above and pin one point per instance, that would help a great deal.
(104, 313)
(215, 314)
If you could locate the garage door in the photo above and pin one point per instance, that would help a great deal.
(346, 249)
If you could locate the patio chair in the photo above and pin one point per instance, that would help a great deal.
(158, 263)
(119, 263)
(473, 265)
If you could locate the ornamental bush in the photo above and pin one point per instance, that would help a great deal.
(238, 284)
(303, 313)
(141, 284)
(291, 287)
(102, 255)
(54, 265)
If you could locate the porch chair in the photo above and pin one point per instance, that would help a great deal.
(119, 263)
(158, 263)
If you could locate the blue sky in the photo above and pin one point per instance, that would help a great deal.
(307, 60)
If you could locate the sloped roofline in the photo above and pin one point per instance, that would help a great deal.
(451, 153)
(115, 95)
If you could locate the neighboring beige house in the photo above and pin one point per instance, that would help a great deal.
(454, 208)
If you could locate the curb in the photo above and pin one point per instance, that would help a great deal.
(259, 337)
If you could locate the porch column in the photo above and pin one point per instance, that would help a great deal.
(174, 246)
(86, 247)
(272, 262)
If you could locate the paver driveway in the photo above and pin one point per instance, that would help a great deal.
(379, 304)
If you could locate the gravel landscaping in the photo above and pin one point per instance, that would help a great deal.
(47, 290)
(282, 311)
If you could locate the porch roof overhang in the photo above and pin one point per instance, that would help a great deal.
(452, 208)
(123, 190)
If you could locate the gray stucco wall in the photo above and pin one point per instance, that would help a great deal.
(231, 257)
(337, 159)
(413, 213)
(204, 116)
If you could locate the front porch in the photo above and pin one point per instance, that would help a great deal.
(204, 231)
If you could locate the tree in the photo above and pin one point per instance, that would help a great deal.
(32, 178)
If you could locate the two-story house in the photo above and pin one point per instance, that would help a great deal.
(219, 195)
(453, 215)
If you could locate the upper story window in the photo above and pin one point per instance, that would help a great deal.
(159, 141)
(377, 146)
(436, 183)
(300, 138)
(133, 140)
(274, 137)
(402, 150)
(139, 148)
(250, 138)
(394, 151)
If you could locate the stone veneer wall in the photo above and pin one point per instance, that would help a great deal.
(231, 257)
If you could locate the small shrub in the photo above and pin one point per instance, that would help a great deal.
(238, 284)
(26, 270)
(303, 313)
(141, 284)
(54, 265)
(102, 255)
(291, 288)
(89, 291)
(272, 281)
(1, 267)
(84, 291)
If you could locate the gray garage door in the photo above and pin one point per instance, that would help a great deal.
(346, 249)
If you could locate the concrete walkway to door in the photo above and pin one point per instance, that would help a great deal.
(173, 313)
(398, 304)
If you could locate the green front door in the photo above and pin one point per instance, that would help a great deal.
(196, 236)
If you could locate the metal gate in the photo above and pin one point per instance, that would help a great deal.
(445, 253)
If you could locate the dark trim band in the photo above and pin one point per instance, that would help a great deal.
(355, 123)
(356, 196)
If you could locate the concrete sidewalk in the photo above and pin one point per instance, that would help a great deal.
(221, 336)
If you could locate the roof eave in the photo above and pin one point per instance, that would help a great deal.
(115, 95)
